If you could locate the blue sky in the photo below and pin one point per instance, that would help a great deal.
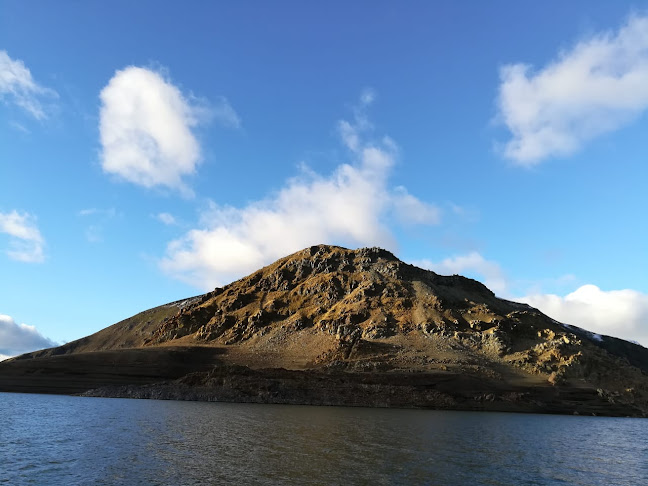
(150, 151)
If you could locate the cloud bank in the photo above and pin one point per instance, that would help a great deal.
(595, 87)
(348, 207)
(17, 86)
(17, 338)
(146, 128)
(26, 243)
(619, 313)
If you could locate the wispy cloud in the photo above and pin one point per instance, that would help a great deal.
(26, 243)
(595, 87)
(224, 114)
(165, 218)
(19, 127)
(367, 97)
(17, 86)
(109, 213)
(94, 232)
(146, 126)
(348, 207)
(17, 338)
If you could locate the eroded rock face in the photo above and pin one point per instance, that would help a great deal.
(327, 288)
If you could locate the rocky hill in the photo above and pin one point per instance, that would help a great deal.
(335, 326)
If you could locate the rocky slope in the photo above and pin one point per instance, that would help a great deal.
(335, 326)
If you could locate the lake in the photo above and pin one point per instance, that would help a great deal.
(51, 440)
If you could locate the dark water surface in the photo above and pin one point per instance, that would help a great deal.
(53, 440)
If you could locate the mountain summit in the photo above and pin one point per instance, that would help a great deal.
(328, 325)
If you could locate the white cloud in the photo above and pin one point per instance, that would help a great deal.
(165, 218)
(597, 86)
(346, 207)
(26, 243)
(17, 86)
(20, 338)
(473, 264)
(146, 130)
(619, 313)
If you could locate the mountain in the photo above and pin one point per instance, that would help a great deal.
(328, 325)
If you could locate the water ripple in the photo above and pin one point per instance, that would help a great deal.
(68, 440)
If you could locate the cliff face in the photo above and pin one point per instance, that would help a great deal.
(329, 309)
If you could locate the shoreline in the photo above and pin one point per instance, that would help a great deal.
(201, 375)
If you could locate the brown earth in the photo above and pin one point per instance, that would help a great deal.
(329, 325)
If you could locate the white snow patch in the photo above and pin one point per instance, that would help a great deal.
(181, 304)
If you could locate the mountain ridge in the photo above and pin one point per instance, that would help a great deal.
(328, 309)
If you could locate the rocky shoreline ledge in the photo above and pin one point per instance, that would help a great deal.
(241, 384)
